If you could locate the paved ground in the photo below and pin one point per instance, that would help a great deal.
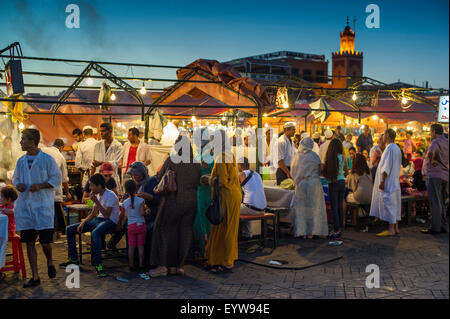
(412, 265)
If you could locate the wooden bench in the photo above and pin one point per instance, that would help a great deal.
(104, 251)
(356, 221)
(277, 211)
(263, 218)
(409, 200)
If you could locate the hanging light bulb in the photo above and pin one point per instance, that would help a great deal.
(354, 97)
(224, 118)
(381, 120)
(374, 117)
(404, 100)
(207, 123)
(395, 128)
(113, 97)
(21, 126)
(285, 105)
(89, 81)
(347, 122)
(265, 114)
(266, 125)
(193, 119)
(143, 90)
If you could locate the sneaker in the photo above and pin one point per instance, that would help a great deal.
(69, 262)
(51, 272)
(100, 272)
(32, 283)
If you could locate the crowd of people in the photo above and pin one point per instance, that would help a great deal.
(160, 226)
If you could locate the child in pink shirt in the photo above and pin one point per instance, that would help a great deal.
(8, 197)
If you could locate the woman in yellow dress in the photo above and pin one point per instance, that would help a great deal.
(223, 242)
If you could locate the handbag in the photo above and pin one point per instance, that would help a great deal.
(214, 212)
(167, 184)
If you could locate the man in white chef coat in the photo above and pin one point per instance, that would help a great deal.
(36, 177)
(285, 153)
(386, 195)
(107, 150)
(85, 154)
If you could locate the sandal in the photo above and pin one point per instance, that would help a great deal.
(180, 272)
(152, 273)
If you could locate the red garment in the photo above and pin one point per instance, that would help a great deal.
(418, 163)
(131, 156)
(11, 220)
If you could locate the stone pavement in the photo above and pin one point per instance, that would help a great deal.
(412, 265)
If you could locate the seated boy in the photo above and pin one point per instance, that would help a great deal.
(254, 199)
(101, 221)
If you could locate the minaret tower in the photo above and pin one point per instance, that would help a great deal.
(346, 62)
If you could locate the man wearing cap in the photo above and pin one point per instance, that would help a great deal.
(315, 148)
(107, 150)
(324, 147)
(85, 154)
(364, 141)
(316, 138)
(285, 152)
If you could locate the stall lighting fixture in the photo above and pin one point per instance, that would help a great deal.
(395, 128)
(21, 126)
(374, 117)
(404, 100)
(113, 97)
(224, 118)
(265, 114)
(381, 120)
(143, 90)
(285, 105)
(89, 81)
(193, 119)
(347, 122)
(354, 97)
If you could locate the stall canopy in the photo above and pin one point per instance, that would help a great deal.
(382, 110)
(215, 83)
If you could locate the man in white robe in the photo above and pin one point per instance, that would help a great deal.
(36, 177)
(386, 195)
(107, 150)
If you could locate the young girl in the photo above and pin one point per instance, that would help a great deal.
(8, 197)
(134, 208)
(334, 170)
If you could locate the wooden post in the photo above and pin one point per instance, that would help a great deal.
(259, 126)
(146, 128)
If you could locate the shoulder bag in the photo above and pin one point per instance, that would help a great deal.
(168, 183)
(214, 212)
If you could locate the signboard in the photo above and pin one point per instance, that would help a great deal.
(443, 109)
(14, 78)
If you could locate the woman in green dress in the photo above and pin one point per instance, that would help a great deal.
(202, 226)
